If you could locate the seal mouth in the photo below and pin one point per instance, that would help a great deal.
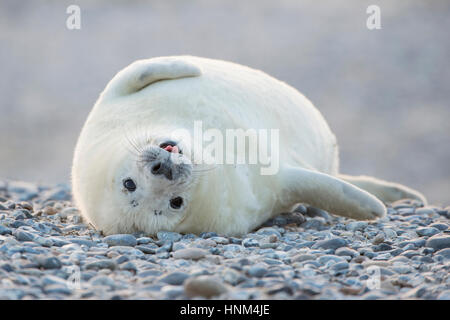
(171, 147)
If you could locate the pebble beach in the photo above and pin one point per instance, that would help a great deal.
(48, 252)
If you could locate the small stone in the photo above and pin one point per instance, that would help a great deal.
(267, 245)
(329, 257)
(101, 264)
(402, 268)
(257, 271)
(45, 242)
(57, 289)
(4, 230)
(427, 231)
(439, 226)
(220, 240)
(144, 240)
(382, 247)
(168, 236)
(438, 242)
(175, 278)
(166, 247)
(49, 211)
(190, 254)
(317, 223)
(172, 292)
(443, 252)
(130, 266)
(356, 226)
(340, 266)
(206, 235)
(344, 251)
(50, 279)
(410, 253)
(444, 295)
(23, 235)
(60, 193)
(334, 244)
(424, 211)
(250, 242)
(48, 262)
(204, 286)
(303, 257)
(69, 211)
(379, 238)
(120, 240)
(101, 280)
(147, 248)
(268, 231)
(390, 233)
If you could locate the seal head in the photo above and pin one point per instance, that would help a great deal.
(132, 183)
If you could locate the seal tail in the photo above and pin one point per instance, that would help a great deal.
(384, 190)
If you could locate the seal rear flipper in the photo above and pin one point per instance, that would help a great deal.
(384, 190)
(329, 193)
(142, 73)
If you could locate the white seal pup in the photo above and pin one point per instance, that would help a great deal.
(147, 181)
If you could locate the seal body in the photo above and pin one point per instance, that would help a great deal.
(152, 100)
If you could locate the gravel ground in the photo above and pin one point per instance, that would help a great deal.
(46, 252)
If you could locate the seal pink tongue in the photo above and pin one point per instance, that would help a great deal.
(173, 149)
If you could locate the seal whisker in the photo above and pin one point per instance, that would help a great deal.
(132, 142)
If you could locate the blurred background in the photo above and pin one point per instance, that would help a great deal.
(385, 93)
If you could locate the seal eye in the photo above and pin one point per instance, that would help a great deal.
(129, 185)
(176, 203)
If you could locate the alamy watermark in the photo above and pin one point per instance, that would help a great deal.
(373, 22)
(374, 280)
(73, 21)
(233, 146)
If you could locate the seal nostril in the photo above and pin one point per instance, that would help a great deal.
(156, 168)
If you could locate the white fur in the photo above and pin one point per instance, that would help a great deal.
(229, 199)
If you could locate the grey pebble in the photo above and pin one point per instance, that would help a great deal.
(439, 242)
(444, 253)
(427, 231)
(4, 230)
(168, 236)
(190, 254)
(444, 295)
(101, 280)
(174, 278)
(329, 257)
(57, 289)
(340, 266)
(257, 271)
(148, 248)
(356, 226)
(204, 286)
(344, 251)
(250, 242)
(144, 240)
(334, 243)
(23, 235)
(220, 240)
(101, 264)
(120, 240)
(439, 226)
(48, 262)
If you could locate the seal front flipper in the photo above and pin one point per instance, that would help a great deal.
(142, 73)
(329, 193)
